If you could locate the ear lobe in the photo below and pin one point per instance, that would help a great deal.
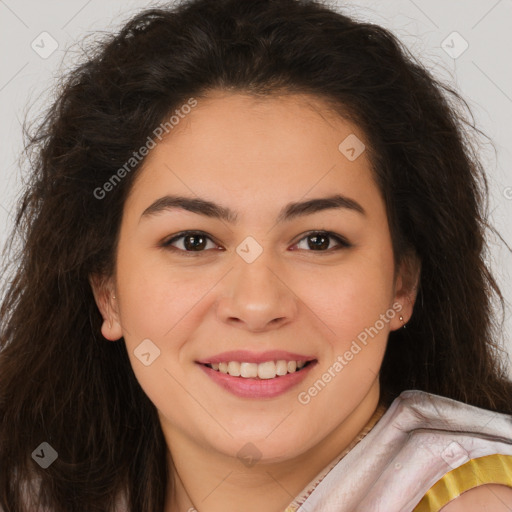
(406, 289)
(103, 291)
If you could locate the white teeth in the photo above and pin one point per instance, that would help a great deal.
(248, 370)
(266, 370)
(281, 368)
(234, 368)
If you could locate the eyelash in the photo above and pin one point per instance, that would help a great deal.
(343, 244)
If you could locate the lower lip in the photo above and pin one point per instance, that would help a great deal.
(258, 388)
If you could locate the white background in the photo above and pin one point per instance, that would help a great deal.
(482, 73)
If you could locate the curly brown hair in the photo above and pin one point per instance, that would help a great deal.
(61, 382)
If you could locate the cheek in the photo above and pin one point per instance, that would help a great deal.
(352, 296)
(157, 312)
(353, 302)
(157, 298)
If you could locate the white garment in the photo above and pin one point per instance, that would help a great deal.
(419, 439)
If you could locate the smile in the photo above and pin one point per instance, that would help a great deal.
(265, 370)
(264, 380)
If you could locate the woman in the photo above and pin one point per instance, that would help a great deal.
(252, 278)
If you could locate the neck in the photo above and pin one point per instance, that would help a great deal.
(209, 481)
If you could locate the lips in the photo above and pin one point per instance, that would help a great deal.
(257, 375)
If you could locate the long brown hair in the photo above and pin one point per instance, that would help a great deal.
(62, 383)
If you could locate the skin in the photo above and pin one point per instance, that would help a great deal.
(255, 156)
(485, 498)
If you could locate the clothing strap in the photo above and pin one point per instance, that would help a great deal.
(491, 469)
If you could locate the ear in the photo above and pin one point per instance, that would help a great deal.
(406, 289)
(103, 289)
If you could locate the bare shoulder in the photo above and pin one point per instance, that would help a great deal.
(484, 498)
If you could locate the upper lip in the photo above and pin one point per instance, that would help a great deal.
(244, 356)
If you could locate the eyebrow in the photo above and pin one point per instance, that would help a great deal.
(216, 211)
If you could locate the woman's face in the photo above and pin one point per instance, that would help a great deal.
(260, 286)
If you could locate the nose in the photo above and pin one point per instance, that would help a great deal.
(255, 297)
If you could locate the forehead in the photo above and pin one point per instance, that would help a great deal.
(249, 148)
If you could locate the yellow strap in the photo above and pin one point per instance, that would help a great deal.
(491, 469)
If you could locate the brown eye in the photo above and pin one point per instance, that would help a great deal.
(189, 242)
(320, 241)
